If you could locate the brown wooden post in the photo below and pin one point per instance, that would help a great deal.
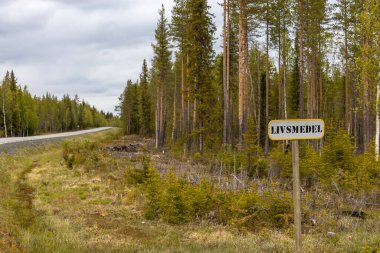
(296, 195)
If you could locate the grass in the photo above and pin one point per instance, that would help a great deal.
(47, 207)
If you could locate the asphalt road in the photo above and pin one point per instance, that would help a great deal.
(11, 144)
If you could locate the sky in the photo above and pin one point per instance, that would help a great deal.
(84, 47)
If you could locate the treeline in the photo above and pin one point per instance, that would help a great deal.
(23, 114)
(281, 59)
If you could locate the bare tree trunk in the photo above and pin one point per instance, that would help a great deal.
(229, 131)
(280, 88)
(259, 98)
(174, 132)
(225, 92)
(188, 109)
(284, 71)
(195, 127)
(301, 67)
(366, 122)
(162, 118)
(242, 68)
(4, 118)
(347, 108)
(182, 124)
(266, 151)
(157, 121)
(377, 138)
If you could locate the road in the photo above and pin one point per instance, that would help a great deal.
(12, 143)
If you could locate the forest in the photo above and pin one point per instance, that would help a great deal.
(24, 115)
(280, 59)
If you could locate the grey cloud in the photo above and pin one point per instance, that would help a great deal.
(85, 47)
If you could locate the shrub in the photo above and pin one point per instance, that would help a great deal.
(200, 198)
(153, 194)
(282, 160)
(85, 153)
(174, 208)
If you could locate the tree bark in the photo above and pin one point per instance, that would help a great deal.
(259, 98)
(182, 124)
(301, 66)
(157, 121)
(225, 85)
(4, 118)
(377, 137)
(266, 151)
(366, 117)
(242, 69)
(174, 132)
(347, 108)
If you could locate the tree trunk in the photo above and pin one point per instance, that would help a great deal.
(259, 98)
(195, 126)
(4, 118)
(229, 131)
(347, 108)
(174, 132)
(267, 83)
(162, 119)
(279, 87)
(182, 124)
(188, 122)
(366, 117)
(284, 70)
(242, 69)
(301, 70)
(377, 138)
(157, 121)
(225, 92)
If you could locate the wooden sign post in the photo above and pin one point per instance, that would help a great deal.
(295, 130)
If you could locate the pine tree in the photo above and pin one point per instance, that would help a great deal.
(178, 30)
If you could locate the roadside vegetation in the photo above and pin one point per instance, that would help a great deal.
(110, 193)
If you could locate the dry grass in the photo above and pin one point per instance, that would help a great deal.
(77, 210)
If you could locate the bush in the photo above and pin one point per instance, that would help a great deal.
(153, 194)
(176, 201)
(174, 208)
(85, 153)
(282, 160)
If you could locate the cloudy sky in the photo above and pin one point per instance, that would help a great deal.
(84, 47)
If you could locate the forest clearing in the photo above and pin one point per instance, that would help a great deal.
(101, 194)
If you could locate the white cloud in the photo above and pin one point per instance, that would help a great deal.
(86, 47)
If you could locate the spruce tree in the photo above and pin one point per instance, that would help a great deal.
(200, 38)
(161, 68)
(145, 103)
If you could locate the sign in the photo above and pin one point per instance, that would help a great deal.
(296, 129)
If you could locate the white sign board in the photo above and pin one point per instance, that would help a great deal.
(296, 129)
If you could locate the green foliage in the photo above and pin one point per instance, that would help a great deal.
(85, 153)
(24, 115)
(338, 151)
(153, 194)
(176, 201)
(174, 207)
(145, 106)
(283, 160)
(252, 150)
